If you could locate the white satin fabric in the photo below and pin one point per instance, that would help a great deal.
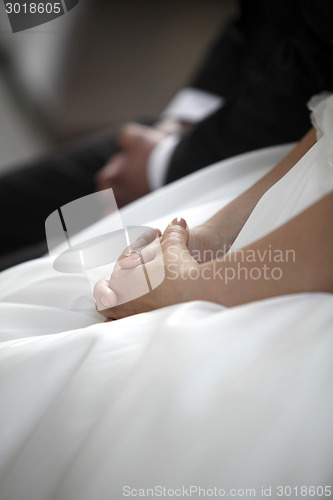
(308, 181)
(193, 394)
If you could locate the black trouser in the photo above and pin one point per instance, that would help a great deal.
(29, 195)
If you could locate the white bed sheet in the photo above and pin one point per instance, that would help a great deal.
(190, 395)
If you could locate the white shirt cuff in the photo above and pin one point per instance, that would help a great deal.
(192, 105)
(189, 105)
(159, 160)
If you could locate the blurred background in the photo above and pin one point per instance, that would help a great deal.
(102, 64)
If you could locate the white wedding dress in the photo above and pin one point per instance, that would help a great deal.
(193, 395)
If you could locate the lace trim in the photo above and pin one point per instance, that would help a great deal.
(321, 107)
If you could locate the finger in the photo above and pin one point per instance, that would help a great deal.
(133, 133)
(143, 250)
(176, 234)
(113, 170)
(105, 298)
(130, 133)
(138, 257)
(145, 239)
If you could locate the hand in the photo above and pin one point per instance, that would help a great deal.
(207, 242)
(178, 286)
(172, 126)
(126, 172)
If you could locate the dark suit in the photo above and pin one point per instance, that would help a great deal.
(274, 63)
(266, 65)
